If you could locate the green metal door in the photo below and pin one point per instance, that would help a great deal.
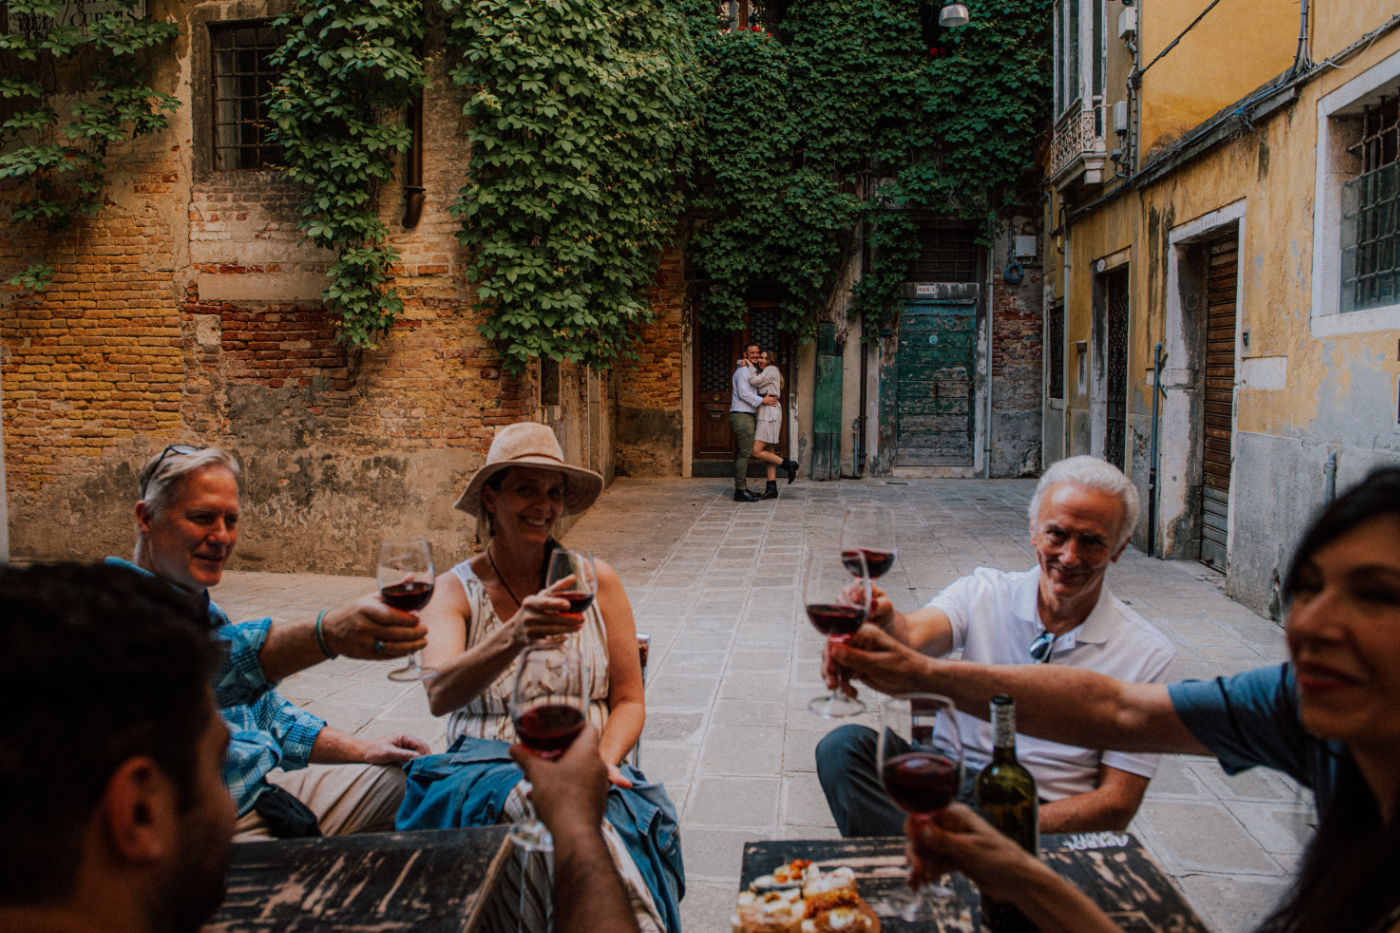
(933, 374)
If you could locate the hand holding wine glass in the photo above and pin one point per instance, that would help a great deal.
(920, 758)
(548, 707)
(836, 606)
(572, 576)
(406, 579)
(868, 530)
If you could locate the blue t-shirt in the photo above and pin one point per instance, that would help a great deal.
(1252, 718)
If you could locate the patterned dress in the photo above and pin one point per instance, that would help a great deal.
(768, 423)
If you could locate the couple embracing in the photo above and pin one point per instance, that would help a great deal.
(756, 417)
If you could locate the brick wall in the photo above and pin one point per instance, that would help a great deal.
(1016, 361)
(189, 311)
(650, 418)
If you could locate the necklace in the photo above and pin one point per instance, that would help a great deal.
(501, 577)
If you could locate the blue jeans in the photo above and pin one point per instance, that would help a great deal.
(846, 759)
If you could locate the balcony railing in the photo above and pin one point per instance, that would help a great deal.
(1078, 148)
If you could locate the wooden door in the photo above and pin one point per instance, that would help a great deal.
(1219, 419)
(1116, 386)
(933, 395)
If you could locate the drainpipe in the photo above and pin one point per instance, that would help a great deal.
(1158, 358)
(1064, 285)
(987, 451)
(1329, 474)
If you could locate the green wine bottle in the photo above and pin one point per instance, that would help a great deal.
(1007, 798)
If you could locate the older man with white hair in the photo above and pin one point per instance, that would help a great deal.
(1059, 612)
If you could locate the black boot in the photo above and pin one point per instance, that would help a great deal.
(790, 468)
(743, 495)
(770, 491)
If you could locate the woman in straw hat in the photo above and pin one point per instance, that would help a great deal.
(483, 613)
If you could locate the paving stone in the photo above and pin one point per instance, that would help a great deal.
(708, 905)
(1232, 905)
(733, 749)
(747, 712)
(681, 692)
(664, 725)
(774, 663)
(753, 685)
(803, 801)
(690, 662)
(1203, 837)
(667, 762)
(737, 802)
(717, 855)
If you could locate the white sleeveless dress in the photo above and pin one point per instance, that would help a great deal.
(487, 716)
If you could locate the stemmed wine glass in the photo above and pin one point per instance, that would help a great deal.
(548, 706)
(836, 605)
(573, 572)
(406, 582)
(920, 757)
(869, 530)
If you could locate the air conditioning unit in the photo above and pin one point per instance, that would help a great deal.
(1120, 117)
(1127, 23)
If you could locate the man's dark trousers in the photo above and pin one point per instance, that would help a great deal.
(742, 423)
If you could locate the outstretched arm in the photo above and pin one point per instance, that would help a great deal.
(570, 795)
(352, 629)
(1064, 704)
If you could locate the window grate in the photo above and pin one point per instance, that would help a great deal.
(946, 255)
(1371, 213)
(241, 80)
(1057, 350)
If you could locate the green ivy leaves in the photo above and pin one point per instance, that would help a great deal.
(349, 69)
(581, 140)
(67, 111)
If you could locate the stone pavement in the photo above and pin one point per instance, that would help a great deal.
(734, 662)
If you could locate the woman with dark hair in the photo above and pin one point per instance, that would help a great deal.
(1329, 718)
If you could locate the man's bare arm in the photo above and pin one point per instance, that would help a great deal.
(1108, 807)
(1064, 704)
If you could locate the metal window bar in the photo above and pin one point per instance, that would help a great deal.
(242, 76)
(1371, 213)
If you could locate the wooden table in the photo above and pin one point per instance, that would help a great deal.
(1112, 868)
(456, 880)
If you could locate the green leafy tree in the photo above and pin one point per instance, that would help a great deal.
(803, 112)
(71, 90)
(580, 141)
(349, 68)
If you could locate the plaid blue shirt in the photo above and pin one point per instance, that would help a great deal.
(266, 730)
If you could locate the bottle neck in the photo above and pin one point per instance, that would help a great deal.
(1004, 732)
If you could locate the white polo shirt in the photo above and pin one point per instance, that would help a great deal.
(994, 622)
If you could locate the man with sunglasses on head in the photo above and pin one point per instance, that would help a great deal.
(1058, 612)
(289, 773)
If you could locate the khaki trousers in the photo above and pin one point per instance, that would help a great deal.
(350, 798)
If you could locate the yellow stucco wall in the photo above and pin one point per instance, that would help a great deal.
(1338, 400)
(1237, 47)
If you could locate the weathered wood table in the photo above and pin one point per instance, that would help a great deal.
(1112, 868)
(457, 880)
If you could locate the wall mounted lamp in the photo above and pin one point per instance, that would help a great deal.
(953, 14)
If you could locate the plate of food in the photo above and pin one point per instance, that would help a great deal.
(800, 897)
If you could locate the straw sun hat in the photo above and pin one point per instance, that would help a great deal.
(531, 444)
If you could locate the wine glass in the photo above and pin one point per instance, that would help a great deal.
(572, 576)
(548, 706)
(920, 757)
(869, 530)
(836, 605)
(406, 582)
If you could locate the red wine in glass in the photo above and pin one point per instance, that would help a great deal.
(921, 782)
(409, 597)
(549, 729)
(834, 621)
(578, 601)
(876, 561)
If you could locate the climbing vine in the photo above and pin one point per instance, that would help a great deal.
(349, 68)
(580, 140)
(69, 91)
(833, 116)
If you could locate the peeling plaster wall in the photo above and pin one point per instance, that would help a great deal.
(189, 311)
(1298, 397)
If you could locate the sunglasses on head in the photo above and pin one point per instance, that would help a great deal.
(180, 450)
(1043, 647)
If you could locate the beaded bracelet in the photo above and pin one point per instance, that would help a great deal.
(321, 635)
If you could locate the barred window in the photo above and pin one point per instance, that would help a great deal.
(1371, 212)
(242, 76)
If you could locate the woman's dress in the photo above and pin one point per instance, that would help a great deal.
(449, 789)
(768, 423)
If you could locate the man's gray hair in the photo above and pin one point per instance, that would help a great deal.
(163, 476)
(1093, 473)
